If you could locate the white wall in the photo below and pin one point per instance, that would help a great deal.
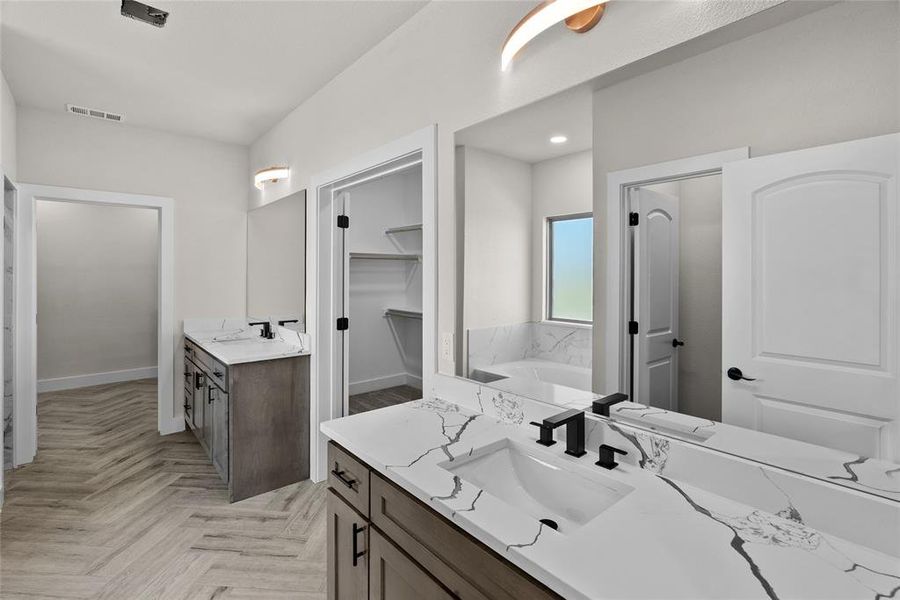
(276, 259)
(7, 130)
(700, 297)
(826, 77)
(208, 181)
(96, 289)
(442, 66)
(560, 186)
(498, 240)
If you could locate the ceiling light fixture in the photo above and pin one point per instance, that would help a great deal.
(580, 16)
(270, 175)
(144, 13)
(559, 139)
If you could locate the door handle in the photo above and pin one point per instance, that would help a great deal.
(357, 553)
(737, 375)
(209, 396)
(676, 342)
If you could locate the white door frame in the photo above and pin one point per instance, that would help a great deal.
(169, 420)
(325, 401)
(615, 341)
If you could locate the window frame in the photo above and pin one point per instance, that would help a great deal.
(548, 285)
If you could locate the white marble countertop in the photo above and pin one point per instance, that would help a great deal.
(233, 341)
(665, 539)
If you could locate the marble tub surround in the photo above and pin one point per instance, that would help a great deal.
(878, 477)
(862, 518)
(547, 340)
(235, 341)
(695, 543)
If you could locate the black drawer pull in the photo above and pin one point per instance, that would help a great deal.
(188, 349)
(209, 395)
(340, 477)
(218, 373)
(357, 553)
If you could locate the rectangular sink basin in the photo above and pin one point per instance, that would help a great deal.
(545, 487)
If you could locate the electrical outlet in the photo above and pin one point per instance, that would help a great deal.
(447, 346)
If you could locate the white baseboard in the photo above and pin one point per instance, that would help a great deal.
(380, 383)
(79, 381)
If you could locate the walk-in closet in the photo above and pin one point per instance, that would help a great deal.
(382, 250)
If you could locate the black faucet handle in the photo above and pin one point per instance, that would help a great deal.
(546, 438)
(600, 406)
(608, 456)
(284, 322)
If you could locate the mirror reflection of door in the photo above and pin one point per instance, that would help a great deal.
(674, 240)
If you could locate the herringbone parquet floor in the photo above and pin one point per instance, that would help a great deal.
(111, 510)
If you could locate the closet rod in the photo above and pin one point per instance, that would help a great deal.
(377, 175)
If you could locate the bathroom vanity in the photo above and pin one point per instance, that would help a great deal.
(246, 398)
(439, 499)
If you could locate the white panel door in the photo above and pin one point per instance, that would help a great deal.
(810, 310)
(656, 298)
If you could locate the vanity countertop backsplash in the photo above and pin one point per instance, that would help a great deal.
(681, 521)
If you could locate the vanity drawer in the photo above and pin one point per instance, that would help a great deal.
(464, 565)
(349, 478)
(219, 374)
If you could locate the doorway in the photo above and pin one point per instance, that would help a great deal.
(169, 420)
(371, 282)
(675, 282)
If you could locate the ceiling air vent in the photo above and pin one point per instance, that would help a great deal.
(83, 111)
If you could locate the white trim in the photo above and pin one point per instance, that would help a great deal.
(72, 382)
(169, 417)
(322, 404)
(617, 184)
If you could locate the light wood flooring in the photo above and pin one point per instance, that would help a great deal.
(382, 398)
(112, 510)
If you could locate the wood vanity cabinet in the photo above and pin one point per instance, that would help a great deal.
(251, 418)
(384, 544)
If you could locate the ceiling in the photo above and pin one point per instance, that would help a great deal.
(525, 133)
(226, 71)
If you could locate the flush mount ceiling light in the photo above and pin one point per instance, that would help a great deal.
(580, 16)
(559, 139)
(144, 13)
(270, 175)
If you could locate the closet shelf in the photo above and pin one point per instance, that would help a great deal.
(416, 227)
(405, 313)
(383, 256)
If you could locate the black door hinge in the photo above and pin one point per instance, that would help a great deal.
(633, 219)
(343, 324)
(632, 327)
(343, 221)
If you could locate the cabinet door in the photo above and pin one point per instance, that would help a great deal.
(348, 560)
(189, 393)
(220, 437)
(394, 576)
(204, 410)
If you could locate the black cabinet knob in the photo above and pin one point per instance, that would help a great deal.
(676, 342)
(737, 375)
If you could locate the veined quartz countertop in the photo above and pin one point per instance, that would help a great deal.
(664, 539)
(233, 341)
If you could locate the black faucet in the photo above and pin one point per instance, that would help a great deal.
(286, 321)
(266, 329)
(608, 457)
(574, 421)
(600, 406)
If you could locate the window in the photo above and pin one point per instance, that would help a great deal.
(570, 268)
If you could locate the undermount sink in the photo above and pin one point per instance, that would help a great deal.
(551, 490)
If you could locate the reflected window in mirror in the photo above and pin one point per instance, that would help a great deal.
(570, 268)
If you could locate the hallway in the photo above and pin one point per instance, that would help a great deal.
(109, 509)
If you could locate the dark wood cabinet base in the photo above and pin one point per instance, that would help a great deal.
(411, 551)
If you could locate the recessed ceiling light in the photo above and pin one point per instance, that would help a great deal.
(559, 139)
